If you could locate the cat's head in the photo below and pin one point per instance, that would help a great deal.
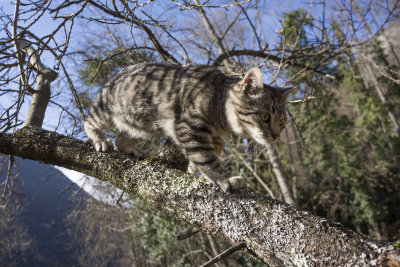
(258, 110)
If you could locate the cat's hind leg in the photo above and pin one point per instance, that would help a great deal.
(128, 145)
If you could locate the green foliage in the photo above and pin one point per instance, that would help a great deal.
(99, 69)
(157, 235)
(350, 157)
(375, 189)
(296, 36)
(294, 25)
(350, 153)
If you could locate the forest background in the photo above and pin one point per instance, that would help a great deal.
(338, 157)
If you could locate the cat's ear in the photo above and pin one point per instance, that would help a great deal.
(252, 82)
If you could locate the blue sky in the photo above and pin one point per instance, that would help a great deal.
(83, 29)
(46, 24)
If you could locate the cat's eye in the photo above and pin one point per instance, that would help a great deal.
(265, 117)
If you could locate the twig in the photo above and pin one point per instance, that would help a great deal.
(214, 36)
(224, 254)
(189, 6)
(9, 169)
(304, 100)
(259, 179)
(287, 60)
(164, 28)
(188, 233)
(17, 45)
(120, 198)
(135, 20)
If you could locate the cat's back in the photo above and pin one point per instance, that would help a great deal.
(159, 76)
(154, 82)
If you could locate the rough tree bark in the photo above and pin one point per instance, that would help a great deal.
(272, 232)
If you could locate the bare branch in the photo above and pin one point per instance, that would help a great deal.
(188, 233)
(259, 179)
(164, 54)
(214, 36)
(290, 60)
(224, 254)
(189, 5)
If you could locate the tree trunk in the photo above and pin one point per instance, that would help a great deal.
(280, 176)
(369, 76)
(272, 232)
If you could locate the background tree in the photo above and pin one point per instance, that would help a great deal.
(15, 243)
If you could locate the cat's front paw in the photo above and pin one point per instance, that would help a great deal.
(103, 146)
(192, 168)
(232, 184)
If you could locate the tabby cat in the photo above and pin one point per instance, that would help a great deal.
(194, 106)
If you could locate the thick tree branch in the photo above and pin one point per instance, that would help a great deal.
(273, 232)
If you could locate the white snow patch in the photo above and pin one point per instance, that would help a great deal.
(99, 190)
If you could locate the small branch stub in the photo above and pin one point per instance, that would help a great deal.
(188, 233)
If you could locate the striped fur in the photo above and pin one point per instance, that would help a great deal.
(194, 106)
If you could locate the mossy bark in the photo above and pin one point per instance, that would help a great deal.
(273, 232)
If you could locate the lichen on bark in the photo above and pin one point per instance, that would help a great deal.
(273, 232)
